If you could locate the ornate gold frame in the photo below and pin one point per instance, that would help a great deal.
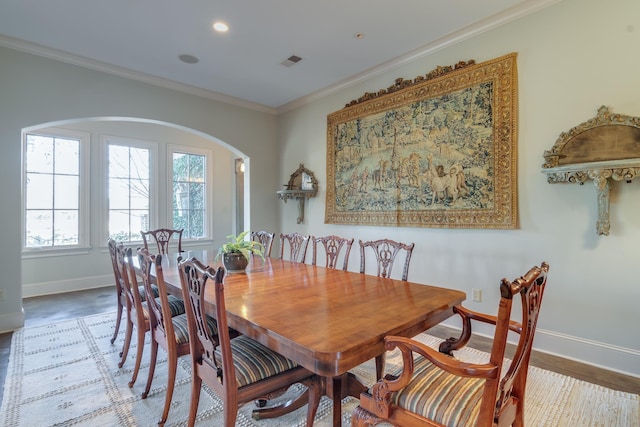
(393, 156)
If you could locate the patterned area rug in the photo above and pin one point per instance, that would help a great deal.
(66, 374)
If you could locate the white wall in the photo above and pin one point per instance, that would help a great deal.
(573, 57)
(35, 91)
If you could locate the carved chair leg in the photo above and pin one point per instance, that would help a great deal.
(196, 387)
(363, 418)
(118, 320)
(139, 349)
(127, 343)
(172, 363)
(152, 367)
(380, 366)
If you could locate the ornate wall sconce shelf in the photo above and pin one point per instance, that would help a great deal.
(302, 185)
(603, 149)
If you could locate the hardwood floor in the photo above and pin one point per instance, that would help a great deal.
(45, 309)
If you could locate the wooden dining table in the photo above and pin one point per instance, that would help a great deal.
(327, 320)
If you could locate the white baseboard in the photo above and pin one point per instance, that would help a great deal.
(623, 360)
(606, 356)
(60, 286)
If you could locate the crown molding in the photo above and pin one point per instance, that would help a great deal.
(516, 12)
(46, 52)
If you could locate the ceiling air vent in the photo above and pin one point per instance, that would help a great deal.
(293, 59)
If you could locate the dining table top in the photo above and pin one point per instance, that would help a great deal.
(327, 320)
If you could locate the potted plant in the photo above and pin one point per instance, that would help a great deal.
(237, 251)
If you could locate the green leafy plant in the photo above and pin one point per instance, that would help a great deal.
(238, 244)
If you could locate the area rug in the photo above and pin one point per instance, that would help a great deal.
(66, 374)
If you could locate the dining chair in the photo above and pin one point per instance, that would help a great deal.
(137, 309)
(120, 277)
(385, 251)
(238, 370)
(169, 332)
(266, 238)
(297, 243)
(120, 297)
(434, 389)
(162, 237)
(333, 246)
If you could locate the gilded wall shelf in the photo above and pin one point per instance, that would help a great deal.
(603, 149)
(302, 185)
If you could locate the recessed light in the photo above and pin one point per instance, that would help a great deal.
(188, 59)
(220, 27)
(358, 35)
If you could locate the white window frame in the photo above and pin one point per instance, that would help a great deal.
(84, 238)
(105, 142)
(208, 159)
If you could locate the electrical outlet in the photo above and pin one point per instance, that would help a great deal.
(476, 295)
(2, 294)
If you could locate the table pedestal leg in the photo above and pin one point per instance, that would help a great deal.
(340, 387)
(336, 394)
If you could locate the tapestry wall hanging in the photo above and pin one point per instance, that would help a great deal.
(437, 151)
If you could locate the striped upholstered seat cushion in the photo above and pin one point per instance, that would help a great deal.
(437, 395)
(143, 294)
(176, 305)
(181, 328)
(254, 361)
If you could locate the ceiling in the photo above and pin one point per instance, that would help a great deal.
(143, 39)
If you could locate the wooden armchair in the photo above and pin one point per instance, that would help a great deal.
(162, 237)
(434, 389)
(386, 251)
(238, 370)
(297, 246)
(265, 238)
(332, 248)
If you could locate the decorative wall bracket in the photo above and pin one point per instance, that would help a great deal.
(604, 148)
(302, 185)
